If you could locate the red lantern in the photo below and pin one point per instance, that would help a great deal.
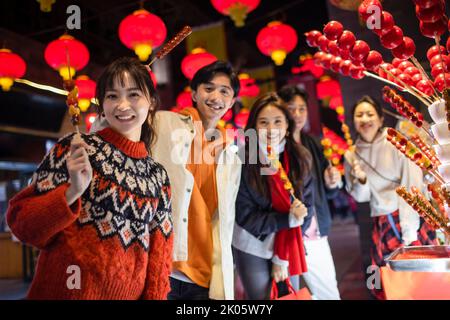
(184, 99)
(277, 40)
(308, 64)
(89, 120)
(248, 86)
(65, 52)
(142, 31)
(86, 91)
(241, 118)
(12, 67)
(336, 102)
(328, 88)
(195, 61)
(236, 9)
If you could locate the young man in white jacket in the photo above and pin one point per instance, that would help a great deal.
(204, 172)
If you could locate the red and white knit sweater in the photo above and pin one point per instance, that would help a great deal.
(119, 233)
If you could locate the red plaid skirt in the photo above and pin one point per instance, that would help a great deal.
(385, 240)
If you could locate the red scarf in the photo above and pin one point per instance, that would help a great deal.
(288, 242)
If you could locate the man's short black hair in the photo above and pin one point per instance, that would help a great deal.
(288, 92)
(207, 73)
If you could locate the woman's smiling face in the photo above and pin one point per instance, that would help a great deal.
(367, 121)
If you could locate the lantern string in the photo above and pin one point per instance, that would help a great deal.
(47, 88)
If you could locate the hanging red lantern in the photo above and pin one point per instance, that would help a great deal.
(328, 88)
(249, 88)
(65, 51)
(184, 99)
(12, 66)
(142, 31)
(308, 65)
(236, 9)
(336, 102)
(241, 118)
(89, 120)
(277, 40)
(197, 59)
(86, 91)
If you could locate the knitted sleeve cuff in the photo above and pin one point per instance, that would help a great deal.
(36, 219)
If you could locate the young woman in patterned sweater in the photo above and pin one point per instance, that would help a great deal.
(99, 207)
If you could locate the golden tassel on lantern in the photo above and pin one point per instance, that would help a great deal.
(46, 5)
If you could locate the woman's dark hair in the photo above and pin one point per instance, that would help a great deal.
(207, 73)
(140, 75)
(288, 92)
(299, 156)
(370, 101)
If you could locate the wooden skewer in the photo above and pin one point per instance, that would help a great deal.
(425, 75)
(372, 75)
(411, 91)
(70, 78)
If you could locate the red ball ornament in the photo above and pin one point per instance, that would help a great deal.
(396, 62)
(411, 71)
(323, 41)
(373, 60)
(333, 48)
(405, 64)
(393, 38)
(345, 67)
(326, 61)
(434, 50)
(365, 9)
(432, 29)
(345, 54)
(440, 59)
(357, 72)
(347, 40)
(386, 24)
(359, 51)
(405, 78)
(439, 82)
(335, 64)
(431, 14)
(383, 66)
(426, 3)
(417, 77)
(438, 69)
(405, 50)
(312, 37)
(333, 30)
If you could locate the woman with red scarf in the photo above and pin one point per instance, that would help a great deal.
(270, 209)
